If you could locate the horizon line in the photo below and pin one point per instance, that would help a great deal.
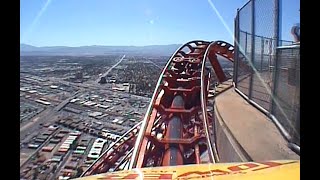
(100, 45)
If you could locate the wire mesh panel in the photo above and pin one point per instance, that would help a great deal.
(287, 91)
(244, 55)
(262, 75)
(264, 48)
(257, 25)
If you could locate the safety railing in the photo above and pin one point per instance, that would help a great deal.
(265, 73)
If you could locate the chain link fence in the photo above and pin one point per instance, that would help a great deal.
(286, 102)
(244, 43)
(269, 76)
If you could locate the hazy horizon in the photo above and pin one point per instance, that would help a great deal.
(104, 45)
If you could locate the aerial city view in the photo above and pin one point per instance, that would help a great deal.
(68, 99)
(108, 88)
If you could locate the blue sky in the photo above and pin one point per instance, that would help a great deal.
(132, 22)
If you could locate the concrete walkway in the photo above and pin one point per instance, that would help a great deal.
(253, 130)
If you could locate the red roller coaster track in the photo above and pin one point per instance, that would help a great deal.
(176, 129)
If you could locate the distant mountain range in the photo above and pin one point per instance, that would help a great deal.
(160, 50)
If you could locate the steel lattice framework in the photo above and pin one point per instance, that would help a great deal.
(176, 129)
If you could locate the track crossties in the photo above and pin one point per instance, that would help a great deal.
(175, 129)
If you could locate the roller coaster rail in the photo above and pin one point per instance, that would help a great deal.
(176, 129)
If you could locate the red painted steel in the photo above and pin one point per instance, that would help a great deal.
(174, 131)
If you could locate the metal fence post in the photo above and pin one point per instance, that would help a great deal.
(274, 86)
(278, 26)
(276, 44)
(262, 52)
(252, 47)
(236, 49)
(246, 43)
(277, 23)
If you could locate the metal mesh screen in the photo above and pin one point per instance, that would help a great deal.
(257, 34)
(287, 90)
(264, 48)
(244, 40)
(260, 64)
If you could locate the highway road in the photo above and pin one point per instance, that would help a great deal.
(38, 149)
(88, 84)
(107, 72)
(155, 64)
(65, 158)
(47, 115)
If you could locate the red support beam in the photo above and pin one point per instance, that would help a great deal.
(173, 129)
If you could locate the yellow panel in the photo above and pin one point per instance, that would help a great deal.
(288, 169)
